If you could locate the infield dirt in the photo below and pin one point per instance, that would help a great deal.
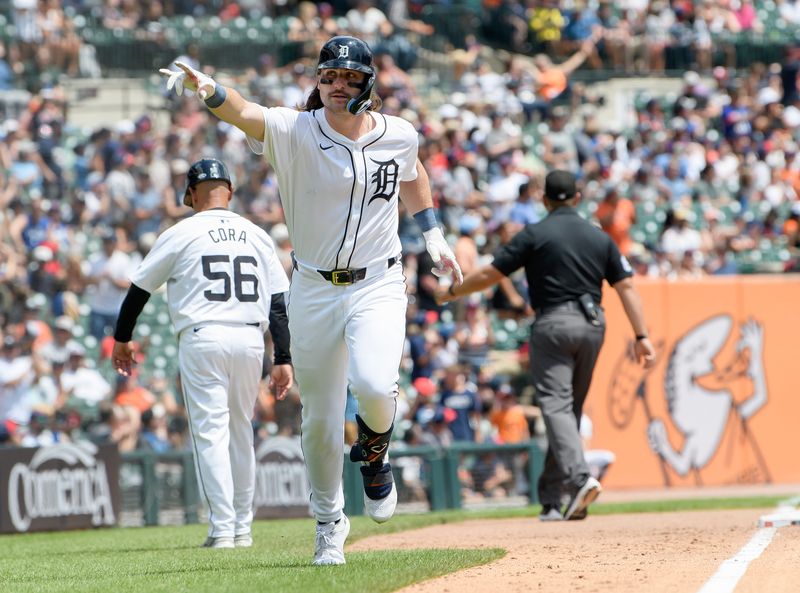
(627, 553)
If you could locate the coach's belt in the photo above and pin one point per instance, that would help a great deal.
(348, 276)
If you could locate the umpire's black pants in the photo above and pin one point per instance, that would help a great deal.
(564, 349)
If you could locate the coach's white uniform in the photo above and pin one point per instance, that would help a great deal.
(221, 272)
(340, 200)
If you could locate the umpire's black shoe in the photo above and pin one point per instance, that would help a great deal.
(550, 513)
(585, 496)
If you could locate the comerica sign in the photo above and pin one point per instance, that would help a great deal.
(282, 488)
(64, 486)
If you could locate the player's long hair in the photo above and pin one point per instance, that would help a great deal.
(315, 102)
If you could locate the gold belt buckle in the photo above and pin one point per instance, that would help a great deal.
(341, 277)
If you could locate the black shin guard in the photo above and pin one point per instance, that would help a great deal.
(370, 447)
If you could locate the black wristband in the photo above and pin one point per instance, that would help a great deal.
(218, 98)
(641, 337)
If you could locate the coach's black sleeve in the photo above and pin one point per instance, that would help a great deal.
(279, 328)
(129, 312)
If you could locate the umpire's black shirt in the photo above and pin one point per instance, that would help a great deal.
(564, 256)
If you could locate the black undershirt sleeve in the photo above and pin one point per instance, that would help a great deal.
(129, 312)
(279, 328)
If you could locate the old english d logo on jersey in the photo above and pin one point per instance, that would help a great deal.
(385, 180)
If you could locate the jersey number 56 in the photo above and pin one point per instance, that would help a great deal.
(241, 280)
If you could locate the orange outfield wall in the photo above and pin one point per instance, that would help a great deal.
(722, 404)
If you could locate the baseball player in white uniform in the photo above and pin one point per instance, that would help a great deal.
(225, 286)
(341, 169)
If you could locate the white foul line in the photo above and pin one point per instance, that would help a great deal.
(728, 575)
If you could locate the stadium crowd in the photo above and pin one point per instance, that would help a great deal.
(702, 183)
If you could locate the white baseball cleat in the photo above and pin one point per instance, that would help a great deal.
(376, 481)
(244, 540)
(329, 543)
(381, 510)
(218, 542)
(585, 496)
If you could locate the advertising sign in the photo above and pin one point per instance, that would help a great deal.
(63, 486)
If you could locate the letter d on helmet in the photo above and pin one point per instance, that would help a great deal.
(204, 170)
(350, 53)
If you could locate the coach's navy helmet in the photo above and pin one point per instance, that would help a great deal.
(350, 53)
(205, 170)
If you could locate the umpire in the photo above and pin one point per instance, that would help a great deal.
(566, 259)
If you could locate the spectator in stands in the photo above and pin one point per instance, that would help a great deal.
(392, 81)
(130, 393)
(679, 237)
(528, 207)
(546, 23)
(560, 149)
(7, 75)
(57, 350)
(460, 395)
(369, 23)
(475, 336)
(16, 376)
(552, 80)
(9, 434)
(508, 416)
(38, 433)
(108, 284)
(617, 215)
(82, 387)
(658, 24)
(583, 24)
(511, 423)
(155, 430)
(306, 28)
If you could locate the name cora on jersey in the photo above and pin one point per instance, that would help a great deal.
(225, 235)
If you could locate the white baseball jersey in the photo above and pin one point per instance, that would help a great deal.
(212, 263)
(339, 195)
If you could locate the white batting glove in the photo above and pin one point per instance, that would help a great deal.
(443, 258)
(187, 78)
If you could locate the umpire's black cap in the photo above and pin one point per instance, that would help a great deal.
(559, 185)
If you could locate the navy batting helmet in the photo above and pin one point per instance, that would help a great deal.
(205, 170)
(350, 53)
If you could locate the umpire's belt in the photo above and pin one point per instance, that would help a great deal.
(565, 306)
(348, 276)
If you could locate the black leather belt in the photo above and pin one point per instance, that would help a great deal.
(347, 276)
(565, 306)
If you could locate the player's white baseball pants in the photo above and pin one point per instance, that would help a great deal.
(343, 334)
(220, 368)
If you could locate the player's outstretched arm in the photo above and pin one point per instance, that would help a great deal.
(479, 279)
(224, 102)
(416, 195)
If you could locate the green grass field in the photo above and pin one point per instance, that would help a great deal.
(168, 559)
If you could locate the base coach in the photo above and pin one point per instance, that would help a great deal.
(566, 259)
